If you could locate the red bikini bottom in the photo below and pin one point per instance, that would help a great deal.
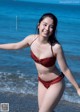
(47, 84)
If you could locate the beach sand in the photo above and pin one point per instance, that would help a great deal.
(28, 103)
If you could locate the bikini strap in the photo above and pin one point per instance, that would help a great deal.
(52, 51)
(34, 40)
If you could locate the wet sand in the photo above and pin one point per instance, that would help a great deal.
(28, 103)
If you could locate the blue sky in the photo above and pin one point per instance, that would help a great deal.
(54, 1)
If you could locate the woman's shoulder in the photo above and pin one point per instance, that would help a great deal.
(56, 47)
(31, 38)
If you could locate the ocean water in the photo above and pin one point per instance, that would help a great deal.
(19, 19)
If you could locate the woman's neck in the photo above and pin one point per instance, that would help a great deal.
(42, 40)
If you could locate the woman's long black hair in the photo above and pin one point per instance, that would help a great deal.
(52, 39)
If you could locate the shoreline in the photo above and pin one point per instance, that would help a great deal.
(28, 103)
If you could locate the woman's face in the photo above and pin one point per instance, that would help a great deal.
(46, 27)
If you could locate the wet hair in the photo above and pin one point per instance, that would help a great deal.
(52, 39)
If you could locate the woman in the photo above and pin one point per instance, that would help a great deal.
(45, 50)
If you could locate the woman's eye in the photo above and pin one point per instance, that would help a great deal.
(44, 24)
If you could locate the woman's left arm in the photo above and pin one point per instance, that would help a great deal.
(64, 67)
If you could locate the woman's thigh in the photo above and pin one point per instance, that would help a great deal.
(52, 97)
(41, 93)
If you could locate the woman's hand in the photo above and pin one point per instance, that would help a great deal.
(78, 91)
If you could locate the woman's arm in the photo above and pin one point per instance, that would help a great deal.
(63, 66)
(14, 46)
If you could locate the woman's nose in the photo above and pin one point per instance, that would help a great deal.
(47, 27)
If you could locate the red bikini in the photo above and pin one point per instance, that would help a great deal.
(47, 62)
(47, 84)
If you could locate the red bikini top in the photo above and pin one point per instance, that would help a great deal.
(47, 62)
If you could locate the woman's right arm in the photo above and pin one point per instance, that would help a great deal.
(14, 46)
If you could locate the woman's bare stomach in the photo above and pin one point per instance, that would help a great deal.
(47, 74)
